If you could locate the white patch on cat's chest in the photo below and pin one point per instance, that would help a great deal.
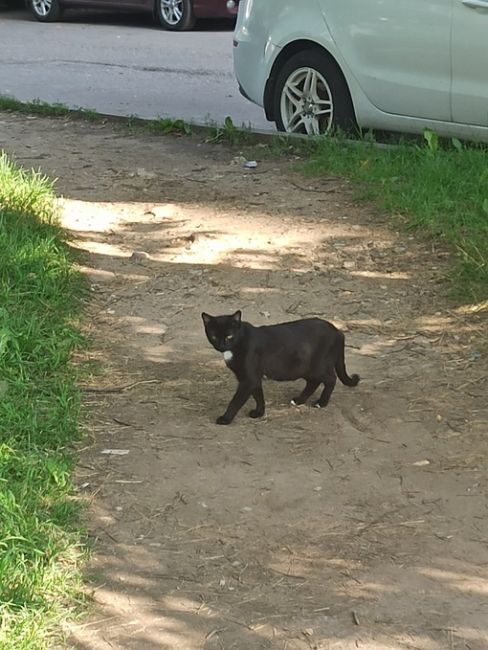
(228, 356)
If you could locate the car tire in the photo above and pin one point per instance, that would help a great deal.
(311, 96)
(46, 11)
(175, 15)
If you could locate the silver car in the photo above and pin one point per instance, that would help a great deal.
(401, 65)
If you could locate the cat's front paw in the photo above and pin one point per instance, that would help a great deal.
(223, 420)
(256, 414)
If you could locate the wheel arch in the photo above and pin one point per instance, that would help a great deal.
(285, 55)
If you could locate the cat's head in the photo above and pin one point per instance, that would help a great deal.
(222, 331)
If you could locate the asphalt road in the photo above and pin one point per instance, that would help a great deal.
(123, 64)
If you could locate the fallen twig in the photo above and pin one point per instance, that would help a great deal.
(118, 389)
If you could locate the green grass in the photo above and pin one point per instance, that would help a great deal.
(165, 126)
(441, 191)
(40, 545)
(37, 107)
(230, 133)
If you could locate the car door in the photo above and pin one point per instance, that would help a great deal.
(470, 62)
(398, 50)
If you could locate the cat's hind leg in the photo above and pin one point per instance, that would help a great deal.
(258, 395)
(329, 385)
(310, 388)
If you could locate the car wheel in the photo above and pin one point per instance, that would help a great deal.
(311, 96)
(47, 11)
(175, 15)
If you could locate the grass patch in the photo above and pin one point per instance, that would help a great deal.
(439, 190)
(167, 126)
(230, 133)
(36, 107)
(39, 407)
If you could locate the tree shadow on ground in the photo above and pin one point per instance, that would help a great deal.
(307, 529)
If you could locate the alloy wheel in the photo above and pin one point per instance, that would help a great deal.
(42, 7)
(171, 10)
(306, 103)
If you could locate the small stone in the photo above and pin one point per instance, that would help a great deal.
(143, 173)
(238, 160)
(139, 256)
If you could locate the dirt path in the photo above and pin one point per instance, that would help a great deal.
(361, 526)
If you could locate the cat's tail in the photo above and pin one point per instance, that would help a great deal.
(340, 367)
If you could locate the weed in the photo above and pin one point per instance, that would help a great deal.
(35, 107)
(167, 125)
(229, 132)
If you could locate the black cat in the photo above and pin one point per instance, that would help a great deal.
(312, 349)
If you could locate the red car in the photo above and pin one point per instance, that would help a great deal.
(176, 15)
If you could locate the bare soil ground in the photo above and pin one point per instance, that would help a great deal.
(360, 526)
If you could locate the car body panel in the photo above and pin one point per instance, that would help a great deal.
(399, 51)
(470, 64)
(137, 5)
(201, 8)
(264, 31)
(273, 27)
(210, 9)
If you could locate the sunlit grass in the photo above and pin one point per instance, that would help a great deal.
(39, 405)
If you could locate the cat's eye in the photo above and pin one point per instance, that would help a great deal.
(229, 337)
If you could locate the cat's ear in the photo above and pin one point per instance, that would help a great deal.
(237, 316)
(206, 318)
